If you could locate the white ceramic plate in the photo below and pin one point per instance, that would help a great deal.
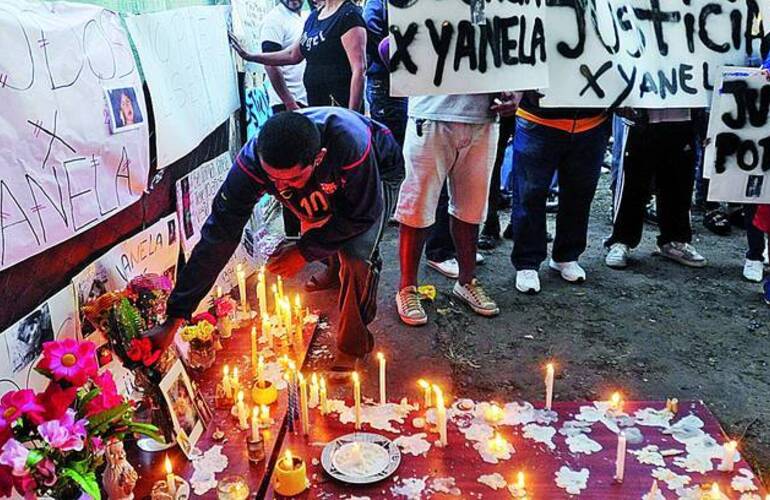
(360, 458)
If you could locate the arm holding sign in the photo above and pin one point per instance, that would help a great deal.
(289, 55)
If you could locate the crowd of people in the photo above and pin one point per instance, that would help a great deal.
(433, 165)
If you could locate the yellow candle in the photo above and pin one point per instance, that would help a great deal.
(262, 292)
(303, 406)
(357, 399)
(261, 370)
(226, 382)
(265, 416)
(254, 350)
(314, 387)
(218, 292)
(383, 396)
(280, 287)
(287, 309)
(322, 396)
(241, 275)
(520, 481)
(549, 374)
(290, 475)
(242, 414)
(426, 392)
(170, 479)
(441, 419)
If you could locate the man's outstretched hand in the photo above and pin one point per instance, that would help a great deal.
(287, 261)
(161, 336)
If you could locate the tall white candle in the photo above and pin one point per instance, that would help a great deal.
(255, 423)
(357, 399)
(280, 287)
(620, 459)
(170, 479)
(241, 275)
(728, 457)
(261, 370)
(303, 405)
(262, 292)
(235, 383)
(441, 420)
(254, 363)
(548, 386)
(242, 414)
(267, 332)
(226, 382)
(314, 388)
(322, 396)
(383, 395)
(277, 302)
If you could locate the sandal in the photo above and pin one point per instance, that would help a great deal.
(716, 221)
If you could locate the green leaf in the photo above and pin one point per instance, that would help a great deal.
(107, 416)
(89, 396)
(129, 319)
(87, 482)
(148, 430)
(34, 458)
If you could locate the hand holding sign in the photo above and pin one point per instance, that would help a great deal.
(236, 45)
(507, 104)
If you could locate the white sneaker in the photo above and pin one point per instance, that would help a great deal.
(479, 258)
(617, 256)
(753, 270)
(570, 271)
(527, 281)
(409, 307)
(476, 297)
(449, 268)
(683, 253)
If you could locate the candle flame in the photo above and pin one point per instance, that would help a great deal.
(615, 400)
(301, 378)
(253, 331)
(715, 492)
(380, 357)
(240, 397)
(323, 383)
(289, 459)
(314, 379)
(356, 380)
(731, 445)
(549, 367)
(235, 373)
(261, 360)
(297, 302)
(520, 480)
(423, 384)
(169, 469)
(226, 370)
(274, 288)
(437, 391)
(239, 268)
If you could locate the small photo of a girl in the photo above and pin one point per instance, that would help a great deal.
(125, 112)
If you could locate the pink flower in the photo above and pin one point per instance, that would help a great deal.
(46, 469)
(204, 316)
(97, 445)
(56, 401)
(64, 434)
(14, 405)
(108, 396)
(14, 455)
(223, 306)
(69, 360)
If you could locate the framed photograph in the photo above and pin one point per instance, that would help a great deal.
(25, 343)
(125, 112)
(180, 397)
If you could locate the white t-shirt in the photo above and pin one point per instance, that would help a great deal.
(284, 27)
(463, 108)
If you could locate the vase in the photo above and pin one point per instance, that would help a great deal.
(201, 355)
(225, 326)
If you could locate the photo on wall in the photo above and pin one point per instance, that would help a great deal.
(25, 342)
(125, 112)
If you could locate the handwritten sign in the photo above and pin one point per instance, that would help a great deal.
(436, 49)
(643, 53)
(63, 170)
(737, 160)
(247, 18)
(186, 59)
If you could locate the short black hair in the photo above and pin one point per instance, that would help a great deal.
(287, 139)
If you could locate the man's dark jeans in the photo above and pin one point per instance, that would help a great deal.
(539, 152)
(390, 111)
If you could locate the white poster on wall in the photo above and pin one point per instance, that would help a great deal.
(154, 250)
(21, 345)
(186, 59)
(247, 26)
(74, 144)
(436, 49)
(737, 159)
(642, 53)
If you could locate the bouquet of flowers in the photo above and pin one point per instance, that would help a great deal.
(201, 335)
(223, 308)
(52, 443)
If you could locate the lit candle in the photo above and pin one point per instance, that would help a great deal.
(357, 399)
(261, 370)
(322, 396)
(620, 459)
(277, 302)
(254, 350)
(497, 445)
(226, 382)
(288, 460)
(267, 331)
(426, 393)
(298, 333)
(265, 416)
(383, 396)
(290, 477)
(242, 415)
(255, 423)
(280, 287)
(289, 319)
(241, 275)
(715, 493)
(548, 386)
(170, 479)
(234, 382)
(616, 402)
(493, 414)
(520, 487)
(303, 407)
(728, 457)
(218, 292)
(314, 388)
(441, 416)
(262, 292)
(298, 309)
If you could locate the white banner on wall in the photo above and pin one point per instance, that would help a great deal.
(187, 62)
(642, 53)
(21, 345)
(154, 250)
(247, 27)
(737, 159)
(436, 49)
(73, 128)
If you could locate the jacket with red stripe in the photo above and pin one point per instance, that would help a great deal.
(342, 200)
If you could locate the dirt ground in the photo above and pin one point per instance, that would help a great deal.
(653, 331)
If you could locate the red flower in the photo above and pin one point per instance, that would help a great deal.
(56, 400)
(14, 405)
(6, 481)
(69, 360)
(141, 351)
(204, 316)
(108, 396)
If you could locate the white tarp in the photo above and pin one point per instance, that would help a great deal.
(187, 62)
(436, 49)
(642, 53)
(737, 159)
(22, 344)
(153, 250)
(66, 72)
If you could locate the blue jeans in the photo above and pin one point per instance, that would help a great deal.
(539, 152)
(390, 111)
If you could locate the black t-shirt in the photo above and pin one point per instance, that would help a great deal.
(327, 74)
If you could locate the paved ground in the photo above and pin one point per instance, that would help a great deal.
(654, 331)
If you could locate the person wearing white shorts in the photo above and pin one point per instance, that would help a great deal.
(453, 139)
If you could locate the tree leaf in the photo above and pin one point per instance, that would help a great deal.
(86, 482)
(107, 416)
(144, 429)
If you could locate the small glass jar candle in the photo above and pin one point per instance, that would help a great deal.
(232, 488)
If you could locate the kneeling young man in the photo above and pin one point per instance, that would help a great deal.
(324, 165)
